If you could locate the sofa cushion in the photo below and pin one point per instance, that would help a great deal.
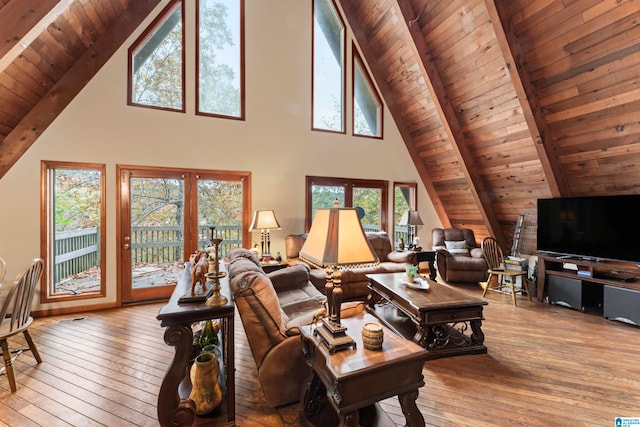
(466, 263)
(296, 276)
(240, 265)
(236, 253)
(457, 248)
(380, 243)
(264, 292)
(440, 235)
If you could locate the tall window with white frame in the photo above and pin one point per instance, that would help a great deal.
(328, 68)
(367, 104)
(220, 58)
(73, 230)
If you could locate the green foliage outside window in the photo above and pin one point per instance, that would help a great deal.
(157, 65)
(77, 199)
(219, 63)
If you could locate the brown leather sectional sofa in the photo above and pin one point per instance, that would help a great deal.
(354, 281)
(272, 307)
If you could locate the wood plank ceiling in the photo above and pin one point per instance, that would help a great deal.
(49, 50)
(507, 101)
(499, 102)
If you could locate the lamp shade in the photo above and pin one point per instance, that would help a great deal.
(337, 238)
(411, 218)
(264, 220)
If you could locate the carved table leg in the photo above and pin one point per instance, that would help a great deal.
(410, 410)
(432, 270)
(172, 411)
(420, 336)
(351, 419)
(313, 395)
(477, 337)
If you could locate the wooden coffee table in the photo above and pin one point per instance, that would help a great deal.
(437, 320)
(345, 386)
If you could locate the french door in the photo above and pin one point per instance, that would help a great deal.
(167, 214)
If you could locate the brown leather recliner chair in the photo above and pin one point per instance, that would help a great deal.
(272, 307)
(458, 256)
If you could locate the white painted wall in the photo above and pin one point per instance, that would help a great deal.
(275, 142)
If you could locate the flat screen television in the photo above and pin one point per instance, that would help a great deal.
(595, 228)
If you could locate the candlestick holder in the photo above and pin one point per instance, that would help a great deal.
(216, 298)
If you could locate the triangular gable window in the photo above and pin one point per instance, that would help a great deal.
(156, 62)
(367, 104)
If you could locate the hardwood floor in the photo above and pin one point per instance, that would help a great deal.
(546, 366)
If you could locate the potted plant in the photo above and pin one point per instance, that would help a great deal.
(411, 271)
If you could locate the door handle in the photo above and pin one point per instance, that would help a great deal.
(126, 246)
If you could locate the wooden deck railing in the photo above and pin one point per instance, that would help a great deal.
(78, 251)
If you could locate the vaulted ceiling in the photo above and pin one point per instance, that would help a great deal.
(499, 102)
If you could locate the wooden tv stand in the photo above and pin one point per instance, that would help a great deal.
(617, 274)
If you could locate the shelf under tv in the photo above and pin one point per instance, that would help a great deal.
(616, 283)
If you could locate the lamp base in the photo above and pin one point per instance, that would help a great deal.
(333, 326)
(334, 341)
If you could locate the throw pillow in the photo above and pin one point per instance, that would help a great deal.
(457, 248)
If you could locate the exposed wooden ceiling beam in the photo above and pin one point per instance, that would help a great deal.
(538, 129)
(62, 93)
(387, 94)
(482, 196)
(22, 22)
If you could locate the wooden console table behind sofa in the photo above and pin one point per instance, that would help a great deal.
(174, 406)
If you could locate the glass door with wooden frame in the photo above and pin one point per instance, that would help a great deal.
(153, 232)
(166, 215)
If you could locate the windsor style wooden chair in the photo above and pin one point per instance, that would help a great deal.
(15, 317)
(498, 273)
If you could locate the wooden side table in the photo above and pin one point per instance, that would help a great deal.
(357, 378)
(269, 267)
(174, 406)
(428, 256)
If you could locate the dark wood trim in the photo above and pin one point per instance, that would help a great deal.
(142, 38)
(62, 93)
(357, 58)
(47, 234)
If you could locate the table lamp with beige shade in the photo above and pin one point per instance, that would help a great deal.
(265, 221)
(336, 240)
(411, 219)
